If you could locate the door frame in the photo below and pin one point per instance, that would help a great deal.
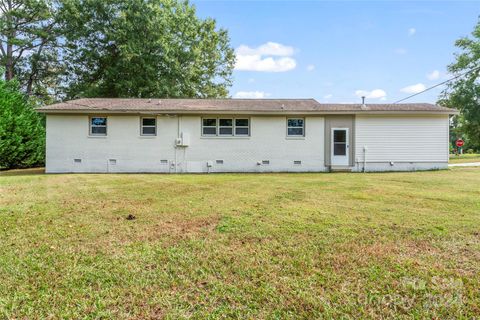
(333, 158)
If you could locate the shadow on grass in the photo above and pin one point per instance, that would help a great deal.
(22, 172)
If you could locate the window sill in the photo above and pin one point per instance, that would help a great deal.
(147, 137)
(226, 137)
(97, 137)
(295, 138)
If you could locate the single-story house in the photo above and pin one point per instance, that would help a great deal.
(243, 135)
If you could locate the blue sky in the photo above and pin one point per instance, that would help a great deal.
(338, 51)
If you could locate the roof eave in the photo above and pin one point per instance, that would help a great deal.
(255, 112)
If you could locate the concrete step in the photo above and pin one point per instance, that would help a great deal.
(341, 169)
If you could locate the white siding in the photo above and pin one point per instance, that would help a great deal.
(68, 139)
(402, 138)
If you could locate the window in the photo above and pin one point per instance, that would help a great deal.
(295, 127)
(209, 127)
(242, 127)
(226, 127)
(98, 126)
(148, 126)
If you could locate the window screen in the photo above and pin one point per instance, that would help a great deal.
(148, 126)
(295, 127)
(98, 126)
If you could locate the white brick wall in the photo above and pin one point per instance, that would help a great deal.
(68, 139)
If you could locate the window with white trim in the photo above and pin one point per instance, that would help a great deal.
(224, 127)
(148, 126)
(98, 126)
(209, 126)
(242, 127)
(295, 127)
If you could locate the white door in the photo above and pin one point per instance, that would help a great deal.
(339, 147)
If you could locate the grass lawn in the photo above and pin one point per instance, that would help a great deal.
(249, 246)
(474, 157)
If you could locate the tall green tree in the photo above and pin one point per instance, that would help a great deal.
(464, 92)
(22, 135)
(144, 48)
(29, 44)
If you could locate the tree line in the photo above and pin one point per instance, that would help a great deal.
(64, 49)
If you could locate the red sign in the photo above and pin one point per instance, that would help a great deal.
(459, 143)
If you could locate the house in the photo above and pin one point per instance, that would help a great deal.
(243, 135)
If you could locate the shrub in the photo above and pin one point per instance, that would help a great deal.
(22, 134)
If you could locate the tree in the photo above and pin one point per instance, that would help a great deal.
(464, 92)
(22, 135)
(144, 48)
(29, 41)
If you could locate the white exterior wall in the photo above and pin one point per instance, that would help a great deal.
(68, 139)
(401, 143)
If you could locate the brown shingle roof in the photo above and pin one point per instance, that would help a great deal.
(232, 105)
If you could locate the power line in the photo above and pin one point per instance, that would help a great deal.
(437, 85)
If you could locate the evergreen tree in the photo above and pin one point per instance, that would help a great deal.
(22, 134)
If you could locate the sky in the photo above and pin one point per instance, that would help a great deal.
(336, 52)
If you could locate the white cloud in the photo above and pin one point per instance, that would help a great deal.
(251, 95)
(414, 88)
(266, 49)
(257, 63)
(401, 51)
(434, 75)
(269, 57)
(374, 94)
(310, 67)
(412, 31)
(327, 96)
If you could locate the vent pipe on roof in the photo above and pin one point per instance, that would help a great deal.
(364, 106)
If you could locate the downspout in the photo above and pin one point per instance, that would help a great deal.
(175, 142)
(365, 158)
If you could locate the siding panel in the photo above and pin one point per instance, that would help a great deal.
(402, 138)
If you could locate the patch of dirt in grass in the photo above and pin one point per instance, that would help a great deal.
(360, 254)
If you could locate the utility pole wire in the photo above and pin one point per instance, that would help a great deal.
(437, 85)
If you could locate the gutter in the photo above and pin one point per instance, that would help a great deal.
(246, 112)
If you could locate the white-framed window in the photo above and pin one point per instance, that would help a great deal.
(148, 126)
(295, 127)
(224, 127)
(242, 127)
(209, 126)
(98, 126)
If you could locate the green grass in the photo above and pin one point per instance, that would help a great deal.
(248, 246)
(473, 157)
